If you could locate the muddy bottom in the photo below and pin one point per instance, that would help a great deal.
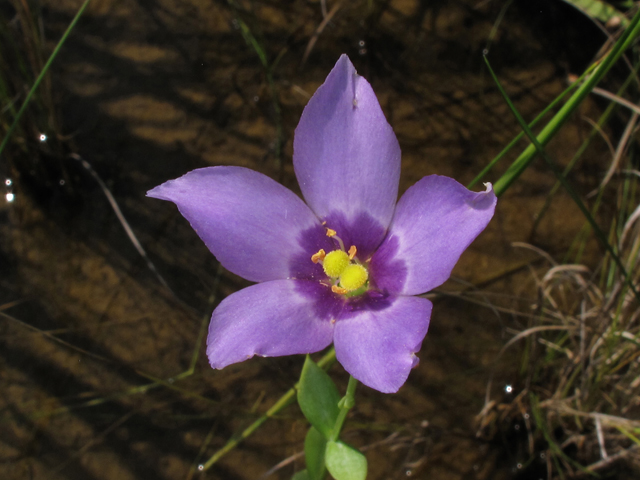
(92, 341)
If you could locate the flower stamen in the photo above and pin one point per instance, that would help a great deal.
(319, 256)
(338, 290)
(333, 234)
(349, 276)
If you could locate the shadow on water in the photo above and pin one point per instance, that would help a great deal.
(150, 90)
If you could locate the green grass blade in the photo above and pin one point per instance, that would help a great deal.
(567, 186)
(253, 42)
(535, 121)
(287, 399)
(599, 10)
(611, 108)
(548, 132)
(44, 71)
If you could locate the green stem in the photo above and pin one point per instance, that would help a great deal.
(535, 121)
(43, 73)
(251, 40)
(594, 132)
(346, 404)
(287, 399)
(521, 163)
(537, 145)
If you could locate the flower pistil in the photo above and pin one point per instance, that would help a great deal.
(342, 267)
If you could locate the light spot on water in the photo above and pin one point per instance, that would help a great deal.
(10, 197)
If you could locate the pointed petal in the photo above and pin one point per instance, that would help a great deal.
(281, 317)
(377, 344)
(255, 227)
(345, 154)
(435, 221)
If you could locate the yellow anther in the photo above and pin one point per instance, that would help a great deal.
(338, 290)
(330, 232)
(318, 257)
(335, 262)
(352, 252)
(353, 277)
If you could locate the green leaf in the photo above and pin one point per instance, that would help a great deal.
(345, 462)
(315, 445)
(599, 10)
(318, 397)
(301, 475)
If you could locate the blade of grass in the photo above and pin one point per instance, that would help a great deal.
(251, 40)
(287, 399)
(599, 10)
(567, 186)
(548, 132)
(42, 75)
(535, 121)
(553, 446)
(594, 132)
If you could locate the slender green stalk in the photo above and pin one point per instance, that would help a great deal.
(42, 75)
(285, 400)
(535, 121)
(548, 132)
(273, 91)
(567, 186)
(346, 404)
(594, 132)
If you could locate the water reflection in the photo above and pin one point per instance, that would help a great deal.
(9, 196)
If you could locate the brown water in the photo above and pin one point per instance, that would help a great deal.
(152, 89)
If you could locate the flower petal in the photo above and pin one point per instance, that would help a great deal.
(435, 221)
(255, 227)
(345, 154)
(377, 345)
(281, 317)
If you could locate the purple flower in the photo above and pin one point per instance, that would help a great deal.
(345, 267)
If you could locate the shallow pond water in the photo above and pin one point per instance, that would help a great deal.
(149, 90)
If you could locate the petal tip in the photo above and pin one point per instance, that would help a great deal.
(156, 192)
(484, 200)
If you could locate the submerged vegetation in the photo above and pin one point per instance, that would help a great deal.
(569, 340)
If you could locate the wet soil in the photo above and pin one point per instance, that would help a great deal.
(149, 90)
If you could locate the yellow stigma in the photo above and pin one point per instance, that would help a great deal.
(353, 277)
(335, 262)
